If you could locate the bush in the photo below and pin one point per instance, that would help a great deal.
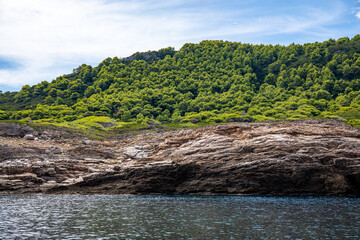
(4, 115)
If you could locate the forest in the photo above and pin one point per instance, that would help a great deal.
(205, 83)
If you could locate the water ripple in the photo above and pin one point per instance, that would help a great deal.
(177, 217)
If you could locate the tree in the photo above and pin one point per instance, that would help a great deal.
(24, 95)
(270, 79)
(209, 81)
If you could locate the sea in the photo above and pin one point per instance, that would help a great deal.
(177, 217)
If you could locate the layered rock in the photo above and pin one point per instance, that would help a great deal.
(310, 157)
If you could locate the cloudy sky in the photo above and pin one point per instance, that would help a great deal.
(43, 39)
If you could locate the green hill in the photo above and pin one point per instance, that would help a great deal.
(205, 83)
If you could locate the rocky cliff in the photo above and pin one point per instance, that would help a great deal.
(309, 157)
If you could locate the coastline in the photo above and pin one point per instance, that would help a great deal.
(299, 158)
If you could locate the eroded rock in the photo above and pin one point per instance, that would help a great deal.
(310, 157)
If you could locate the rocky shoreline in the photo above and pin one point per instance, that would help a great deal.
(308, 157)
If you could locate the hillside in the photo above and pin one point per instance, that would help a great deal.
(205, 83)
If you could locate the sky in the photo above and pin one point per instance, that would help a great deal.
(43, 39)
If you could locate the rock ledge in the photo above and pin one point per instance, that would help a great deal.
(309, 157)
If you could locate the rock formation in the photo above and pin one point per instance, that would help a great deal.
(310, 157)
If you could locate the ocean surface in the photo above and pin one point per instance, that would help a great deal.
(177, 217)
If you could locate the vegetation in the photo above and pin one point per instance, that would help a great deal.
(205, 83)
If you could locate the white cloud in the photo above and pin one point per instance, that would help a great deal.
(50, 38)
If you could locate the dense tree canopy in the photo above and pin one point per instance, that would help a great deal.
(213, 81)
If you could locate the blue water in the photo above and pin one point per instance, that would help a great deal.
(177, 217)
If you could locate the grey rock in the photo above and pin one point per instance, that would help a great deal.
(16, 130)
(134, 152)
(29, 137)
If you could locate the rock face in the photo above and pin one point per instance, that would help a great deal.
(16, 130)
(310, 157)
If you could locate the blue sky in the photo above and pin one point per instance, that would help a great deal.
(42, 39)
